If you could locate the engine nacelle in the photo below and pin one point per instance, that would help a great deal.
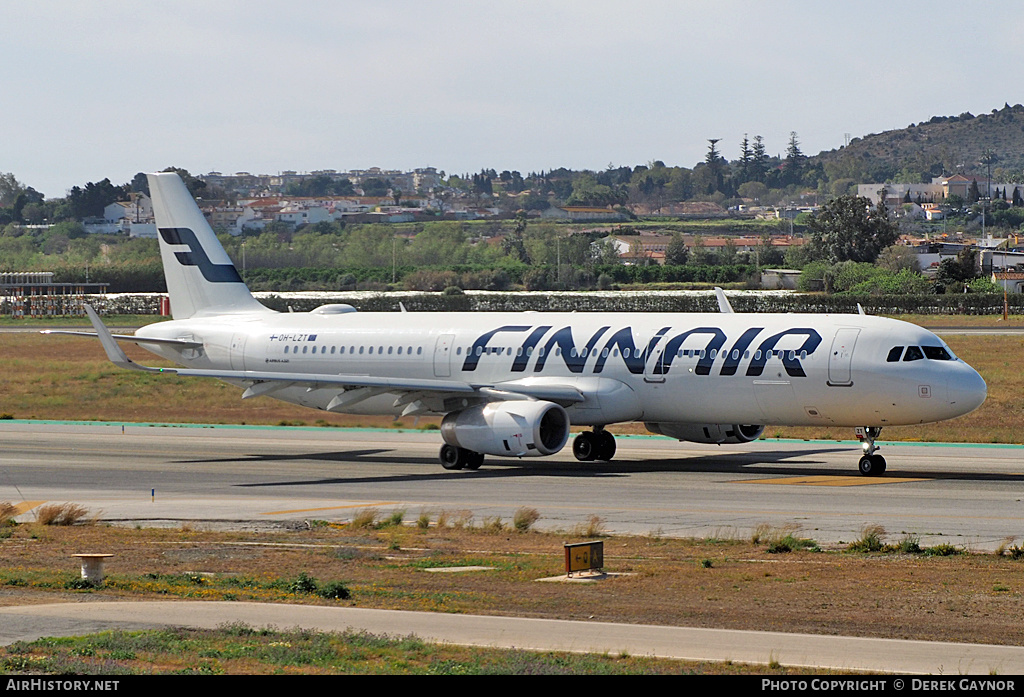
(708, 433)
(514, 429)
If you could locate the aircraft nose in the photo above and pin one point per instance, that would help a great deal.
(967, 390)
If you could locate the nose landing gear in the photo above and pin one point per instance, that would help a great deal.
(870, 464)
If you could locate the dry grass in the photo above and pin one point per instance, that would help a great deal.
(525, 518)
(704, 583)
(7, 512)
(60, 514)
(594, 527)
(365, 518)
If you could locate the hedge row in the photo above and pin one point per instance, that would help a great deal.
(969, 304)
(147, 277)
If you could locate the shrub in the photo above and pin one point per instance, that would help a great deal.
(395, 519)
(782, 540)
(910, 544)
(943, 550)
(7, 513)
(524, 518)
(365, 518)
(303, 584)
(335, 590)
(61, 514)
(871, 537)
(594, 527)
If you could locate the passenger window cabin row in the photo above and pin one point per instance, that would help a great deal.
(353, 350)
(505, 350)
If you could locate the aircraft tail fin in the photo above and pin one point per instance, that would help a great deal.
(201, 279)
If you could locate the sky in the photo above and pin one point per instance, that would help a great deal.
(114, 87)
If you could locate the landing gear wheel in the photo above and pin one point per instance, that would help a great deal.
(474, 460)
(584, 447)
(605, 446)
(452, 458)
(871, 465)
(594, 445)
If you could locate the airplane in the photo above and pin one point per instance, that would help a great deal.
(512, 384)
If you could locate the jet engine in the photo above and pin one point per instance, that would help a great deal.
(708, 433)
(514, 429)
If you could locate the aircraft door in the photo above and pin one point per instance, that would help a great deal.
(237, 352)
(654, 368)
(840, 358)
(443, 355)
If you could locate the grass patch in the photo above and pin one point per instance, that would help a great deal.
(239, 649)
(872, 539)
(782, 540)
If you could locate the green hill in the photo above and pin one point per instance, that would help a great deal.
(941, 145)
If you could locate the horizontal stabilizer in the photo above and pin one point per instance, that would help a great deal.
(179, 343)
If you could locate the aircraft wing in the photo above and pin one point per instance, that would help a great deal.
(264, 382)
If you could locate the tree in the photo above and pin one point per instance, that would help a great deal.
(752, 189)
(849, 228)
(376, 187)
(9, 189)
(973, 194)
(676, 254)
(715, 161)
(955, 274)
(897, 258)
(759, 160)
(90, 201)
(793, 166)
(745, 161)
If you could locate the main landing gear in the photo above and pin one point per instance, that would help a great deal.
(870, 464)
(594, 445)
(454, 458)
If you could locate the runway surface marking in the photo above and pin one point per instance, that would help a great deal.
(333, 508)
(823, 480)
(26, 506)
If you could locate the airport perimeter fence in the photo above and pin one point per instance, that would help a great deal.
(652, 301)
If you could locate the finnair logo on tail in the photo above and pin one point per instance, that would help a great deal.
(196, 256)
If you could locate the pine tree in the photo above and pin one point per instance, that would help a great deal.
(759, 160)
(793, 168)
(746, 160)
(973, 194)
(714, 162)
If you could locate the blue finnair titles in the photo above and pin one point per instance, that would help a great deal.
(541, 343)
(512, 384)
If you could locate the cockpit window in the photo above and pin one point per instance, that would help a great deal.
(936, 353)
(894, 354)
(913, 354)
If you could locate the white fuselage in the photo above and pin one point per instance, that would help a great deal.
(737, 368)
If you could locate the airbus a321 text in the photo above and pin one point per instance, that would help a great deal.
(510, 384)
